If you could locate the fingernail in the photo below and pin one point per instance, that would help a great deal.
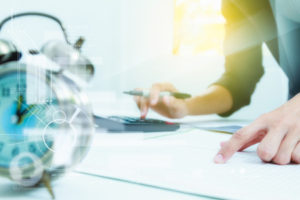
(167, 100)
(222, 143)
(143, 113)
(153, 101)
(219, 159)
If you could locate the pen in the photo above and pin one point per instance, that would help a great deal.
(177, 95)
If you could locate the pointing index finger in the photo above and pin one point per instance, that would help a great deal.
(237, 141)
(154, 94)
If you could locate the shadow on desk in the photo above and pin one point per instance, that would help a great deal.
(14, 190)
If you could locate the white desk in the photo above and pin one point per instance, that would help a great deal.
(174, 165)
(183, 161)
(78, 187)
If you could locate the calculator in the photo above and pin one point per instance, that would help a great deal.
(133, 124)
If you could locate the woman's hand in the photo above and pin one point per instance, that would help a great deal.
(167, 106)
(278, 133)
(216, 99)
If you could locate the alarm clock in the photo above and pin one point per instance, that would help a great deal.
(46, 119)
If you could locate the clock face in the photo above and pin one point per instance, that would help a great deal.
(26, 106)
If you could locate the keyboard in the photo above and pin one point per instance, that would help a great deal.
(132, 124)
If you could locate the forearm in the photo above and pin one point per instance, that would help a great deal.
(215, 100)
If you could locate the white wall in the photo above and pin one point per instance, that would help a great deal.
(98, 21)
(130, 42)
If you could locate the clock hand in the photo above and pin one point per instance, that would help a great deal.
(22, 115)
(19, 105)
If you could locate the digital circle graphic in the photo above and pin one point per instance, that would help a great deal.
(60, 118)
(16, 172)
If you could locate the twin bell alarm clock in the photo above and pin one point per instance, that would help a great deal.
(46, 121)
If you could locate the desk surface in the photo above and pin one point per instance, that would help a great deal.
(183, 161)
(78, 186)
(174, 165)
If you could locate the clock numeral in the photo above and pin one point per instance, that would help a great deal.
(15, 151)
(32, 148)
(52, 101)
(5, 92)
(21, 88)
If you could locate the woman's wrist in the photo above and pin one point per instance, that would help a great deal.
(189, 104)
(215, 100)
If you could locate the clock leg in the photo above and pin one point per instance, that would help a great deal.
(46, 180)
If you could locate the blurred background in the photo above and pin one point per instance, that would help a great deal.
(135, 43)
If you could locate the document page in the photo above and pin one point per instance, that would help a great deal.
(183, 161)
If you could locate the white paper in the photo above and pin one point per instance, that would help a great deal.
(184, 161)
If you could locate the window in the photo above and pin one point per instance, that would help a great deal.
(198, 27)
